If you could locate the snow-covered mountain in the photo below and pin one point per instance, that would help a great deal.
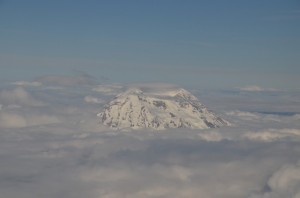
(176, 108)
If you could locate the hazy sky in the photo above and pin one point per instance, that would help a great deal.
(207, 44)
(62, 61)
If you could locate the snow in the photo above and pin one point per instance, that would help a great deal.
(173, 109)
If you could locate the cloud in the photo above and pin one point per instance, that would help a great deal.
(109, 89)
(18, 96)
(270, 135)
(27, 83)
(296, 117)
(121, 165)
(211, 136)
(14, 120)
(134, 164)
(285, 182)
(154, 87)
(94, 100)
(61, 150)
(264, 117)
(251, 88)
(60, 80)
(243, 115)
(255, 88)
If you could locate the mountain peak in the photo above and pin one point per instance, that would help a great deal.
(176, 108)
(184, 94)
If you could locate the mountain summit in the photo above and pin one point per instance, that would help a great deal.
(158, 110)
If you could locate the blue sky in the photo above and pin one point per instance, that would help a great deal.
(206, 44)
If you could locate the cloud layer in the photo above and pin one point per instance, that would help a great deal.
(52, 145)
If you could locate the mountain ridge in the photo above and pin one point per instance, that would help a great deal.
(177, 108)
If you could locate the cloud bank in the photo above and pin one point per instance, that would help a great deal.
(52, 145)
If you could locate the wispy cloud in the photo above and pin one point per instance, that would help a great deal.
(17, 120)
(270, 135)
(255, 88)
(60, 80)
(91, 99)
(27, 83)
(18, 96)
(108, 89)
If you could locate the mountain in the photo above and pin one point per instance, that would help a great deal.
(176, 108)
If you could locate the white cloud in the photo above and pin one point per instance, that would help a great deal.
(211, 136)
(110, 89)
(296, 117)
(255, 88)
(27, 83)
(60, 80)
(285, 182)
(154, 87)
(243, 115)
(94, 100)
(61, 150)
(270, 135)
(252, 88)
(255, 117)
(14, 120)
(18, 96)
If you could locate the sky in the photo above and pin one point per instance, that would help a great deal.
(53, 145)
(62, 62)
(205, 44)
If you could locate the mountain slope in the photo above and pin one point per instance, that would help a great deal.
(173, 109)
